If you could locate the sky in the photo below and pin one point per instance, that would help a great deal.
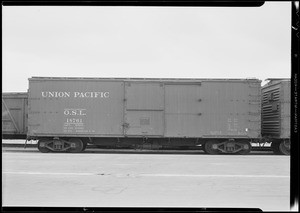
(144, 42)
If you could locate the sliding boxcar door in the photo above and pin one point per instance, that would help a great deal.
(144, 109)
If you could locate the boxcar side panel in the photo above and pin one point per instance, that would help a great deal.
(182, 108)
(270, 110)
(276, 103)
(159, 108)
(81, 107)
(14, 114)
(213, 109)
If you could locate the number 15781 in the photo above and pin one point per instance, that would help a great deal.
(74, 120)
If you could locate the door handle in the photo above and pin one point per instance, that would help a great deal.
(125, 125)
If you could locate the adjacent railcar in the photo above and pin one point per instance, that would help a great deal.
(222, 115)
(14, 115)
(276, 103)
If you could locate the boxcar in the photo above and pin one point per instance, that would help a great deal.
(276, 103)
(14, 115)
(222, 115)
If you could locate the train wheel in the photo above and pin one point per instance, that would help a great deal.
(275, 148)
(76, 145)
(84, 146)
(246, 148)
(210, 147)
(203, 148)
(284, 147)
(41, 146)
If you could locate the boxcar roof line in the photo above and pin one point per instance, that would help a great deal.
(147, 79)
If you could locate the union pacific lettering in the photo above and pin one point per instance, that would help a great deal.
(91, 94)
(57, 94)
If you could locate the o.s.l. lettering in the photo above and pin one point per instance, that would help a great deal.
(80, 112)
